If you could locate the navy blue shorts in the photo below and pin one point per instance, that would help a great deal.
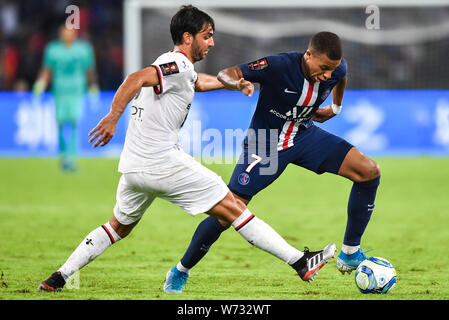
(314, 149)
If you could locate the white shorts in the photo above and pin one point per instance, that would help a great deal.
(176, 177)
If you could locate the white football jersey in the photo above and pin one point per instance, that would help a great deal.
(158, 113)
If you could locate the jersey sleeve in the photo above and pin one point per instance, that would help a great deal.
(342, 70)
(49, 61)
(172, 72)
(260, 70)
(89, 57)
(167, 74)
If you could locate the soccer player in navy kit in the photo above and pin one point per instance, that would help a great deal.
(292, 88)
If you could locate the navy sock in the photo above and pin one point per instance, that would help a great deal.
(360, 207)
(207, 232)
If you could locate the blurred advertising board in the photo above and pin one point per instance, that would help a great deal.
(378, 122)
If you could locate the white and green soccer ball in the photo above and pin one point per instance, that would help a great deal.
(375, 275)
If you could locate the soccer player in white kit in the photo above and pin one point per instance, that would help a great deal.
(153, 165)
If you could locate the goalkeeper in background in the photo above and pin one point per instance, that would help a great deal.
(69, 66)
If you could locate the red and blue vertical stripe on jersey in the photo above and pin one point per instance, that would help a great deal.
(308, 98)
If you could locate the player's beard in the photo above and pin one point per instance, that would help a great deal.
(198, 53)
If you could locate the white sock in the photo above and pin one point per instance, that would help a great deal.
(181, 268)
(349, 249)
(91, 247)
(261, 235)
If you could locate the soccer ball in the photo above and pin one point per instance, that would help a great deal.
(375, 275)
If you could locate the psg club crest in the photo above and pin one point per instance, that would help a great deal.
(325, 94)
(244, 178)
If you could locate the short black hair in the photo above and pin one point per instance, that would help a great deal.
(188, 19)
(328, 43)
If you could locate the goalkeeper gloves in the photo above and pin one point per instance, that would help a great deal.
(38, 88)
(94, 90)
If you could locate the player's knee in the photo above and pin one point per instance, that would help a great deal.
(228, 209)
(234, 206)
(372, 171)
(121, 229)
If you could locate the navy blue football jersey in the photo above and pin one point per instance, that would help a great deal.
(287, 100)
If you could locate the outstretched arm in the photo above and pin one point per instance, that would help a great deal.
(207, 82)
(232, 79)
(326, 113)
(105, 129)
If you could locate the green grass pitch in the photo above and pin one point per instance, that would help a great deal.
(45, 214)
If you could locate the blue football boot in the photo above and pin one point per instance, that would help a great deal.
(349, 262)
(175, 280)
